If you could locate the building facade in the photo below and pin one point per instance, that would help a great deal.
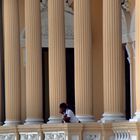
(83, 52)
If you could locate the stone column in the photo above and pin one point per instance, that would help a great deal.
(112, 61)
(137, 61)
(12, 62)
(97, 57)
(83, 60)
(1, 65)
(57, 64)
(34, 111)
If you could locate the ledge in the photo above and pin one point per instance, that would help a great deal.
(73, 131)
(8, 129)
(29, 128)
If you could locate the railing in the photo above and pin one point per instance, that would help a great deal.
(125, 131)
(79, 131)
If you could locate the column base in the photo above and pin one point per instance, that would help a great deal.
(54, 120)
(33, 121)
(112, 118)
(136, 118)
(13, 123)
(86, 119)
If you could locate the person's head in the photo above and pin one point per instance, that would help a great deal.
(62, 107)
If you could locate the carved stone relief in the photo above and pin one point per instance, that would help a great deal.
(126, 5)
(128, 24)
(122, 135)
(92, 136)
(29, 136)
(55, 136)
(7, 137)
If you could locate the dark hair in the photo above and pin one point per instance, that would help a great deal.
(63, 105)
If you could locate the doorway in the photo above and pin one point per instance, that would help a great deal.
(127, 88)
(70, 78)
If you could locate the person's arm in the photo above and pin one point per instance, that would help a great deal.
(66, 118)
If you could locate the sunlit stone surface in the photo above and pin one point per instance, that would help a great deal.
(92, 136)
(29, 136)
(55, 136)
(7, 137)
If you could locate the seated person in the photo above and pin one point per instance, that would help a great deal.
(68, 115)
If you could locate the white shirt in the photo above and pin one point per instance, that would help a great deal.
(70, 114)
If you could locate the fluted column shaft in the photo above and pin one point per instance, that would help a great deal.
(1, 63)
(57, 64)
(112, 61)
(137, 61)
(12, 62)
(83, 60)
(33, 62)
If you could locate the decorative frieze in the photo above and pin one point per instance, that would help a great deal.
(125, 131)
(69, 2)
(92, 136)
(82, 131)
(55, 136)
(30, 136)
(122, 135)
(126, 5)
(44, 5)
(8, 137)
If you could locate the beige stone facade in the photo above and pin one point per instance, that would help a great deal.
(83, 52)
